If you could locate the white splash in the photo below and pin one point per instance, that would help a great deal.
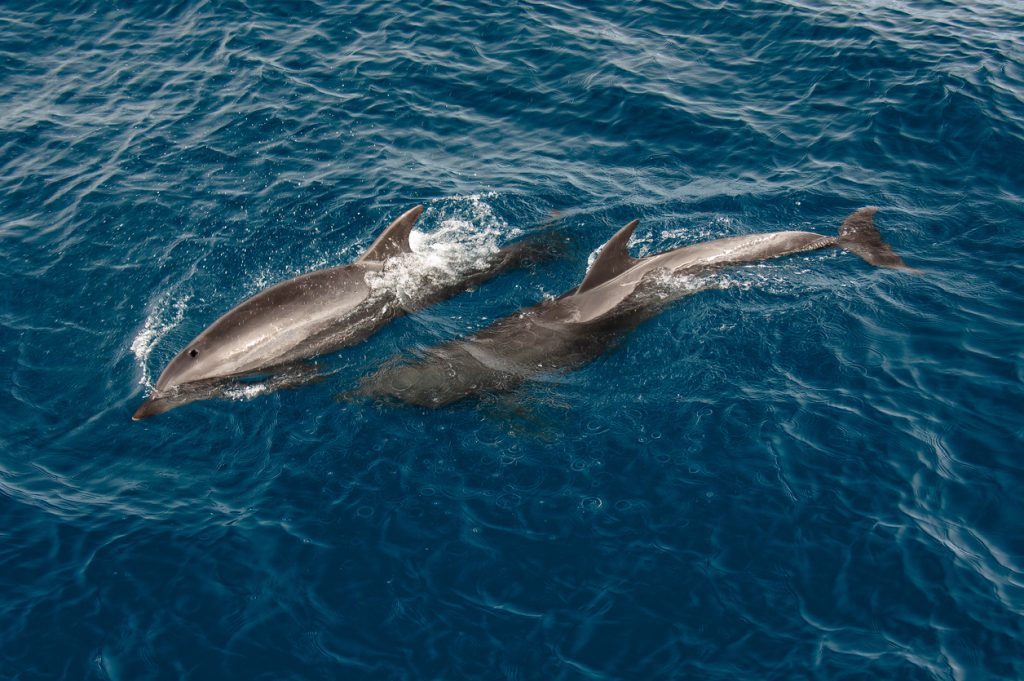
(717, 227)
(244, 393)
(163, 316)
(467, 233)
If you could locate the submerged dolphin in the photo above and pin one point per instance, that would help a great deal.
(271, 333)
(617, 293)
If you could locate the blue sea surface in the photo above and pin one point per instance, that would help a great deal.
(812, 469)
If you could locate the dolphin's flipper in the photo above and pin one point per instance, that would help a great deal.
(613, 260)
(859, 236)
(395, 239)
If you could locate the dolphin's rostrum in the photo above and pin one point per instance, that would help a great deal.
(271, 333)
(617, 293)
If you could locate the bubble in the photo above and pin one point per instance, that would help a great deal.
(508, 501)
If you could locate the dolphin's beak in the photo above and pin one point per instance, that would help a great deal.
(153, 406)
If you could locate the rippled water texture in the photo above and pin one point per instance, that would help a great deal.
(810, 470)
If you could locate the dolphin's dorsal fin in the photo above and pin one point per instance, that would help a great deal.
(612, 261)
(395, 239)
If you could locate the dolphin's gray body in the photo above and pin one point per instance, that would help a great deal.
(310, 315)
(614, 297)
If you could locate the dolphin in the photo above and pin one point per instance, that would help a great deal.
(271, 334)
(617, 294)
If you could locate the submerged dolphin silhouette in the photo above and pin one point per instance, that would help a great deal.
(617, 293)
(313, 314)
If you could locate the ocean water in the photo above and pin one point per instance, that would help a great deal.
(811, 469)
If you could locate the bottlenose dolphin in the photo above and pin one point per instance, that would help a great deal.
(271, 334)
(617, 294)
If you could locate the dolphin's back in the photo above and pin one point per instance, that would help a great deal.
(283, 323)
(738, 250)
(293, 300)
(536, 340)
(608, 296)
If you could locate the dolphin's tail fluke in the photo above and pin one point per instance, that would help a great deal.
(859, 236)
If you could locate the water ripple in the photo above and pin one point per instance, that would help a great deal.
(802, 468)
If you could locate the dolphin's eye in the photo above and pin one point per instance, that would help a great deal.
(193, 352)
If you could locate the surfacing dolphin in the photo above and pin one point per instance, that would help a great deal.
(617, 294)
(270, 334)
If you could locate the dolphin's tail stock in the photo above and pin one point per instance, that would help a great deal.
(859, 236)
(546, 243)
